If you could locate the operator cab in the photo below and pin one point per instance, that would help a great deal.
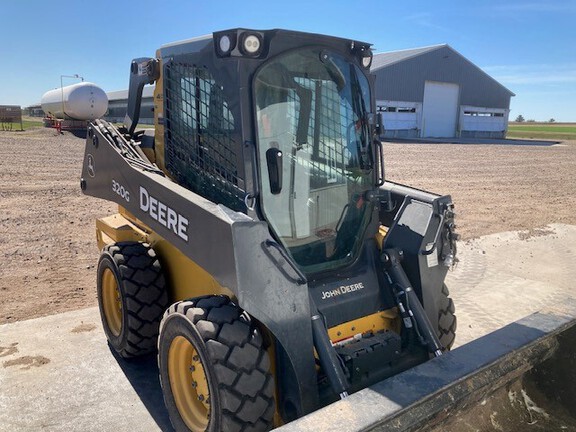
(275, 124)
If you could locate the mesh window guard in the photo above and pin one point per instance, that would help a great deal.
(200, 149)
(326, 131)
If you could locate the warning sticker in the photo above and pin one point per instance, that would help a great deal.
(432, 259)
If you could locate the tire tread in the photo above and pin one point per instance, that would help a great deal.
(239, 361)
(447, 321)
(145, 294)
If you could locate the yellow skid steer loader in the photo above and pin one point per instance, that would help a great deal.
(257, 246)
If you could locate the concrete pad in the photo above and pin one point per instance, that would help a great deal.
(504, 277)
(474, 141)
(58, 374)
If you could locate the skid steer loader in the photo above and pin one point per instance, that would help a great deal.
(257, 245)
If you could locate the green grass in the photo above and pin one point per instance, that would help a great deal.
(562, 131)
(27, 123)
(31, 124)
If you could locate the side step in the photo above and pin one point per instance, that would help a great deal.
(521, 377)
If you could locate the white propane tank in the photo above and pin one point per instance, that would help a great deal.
(82, 101)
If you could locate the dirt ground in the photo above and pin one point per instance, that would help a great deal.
(47, 237)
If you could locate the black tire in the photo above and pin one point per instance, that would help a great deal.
(228, 349)
(132, 325)
(446, 319)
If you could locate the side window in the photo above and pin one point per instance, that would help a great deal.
(201, 153)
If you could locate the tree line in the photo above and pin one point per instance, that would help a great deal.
(520, 119)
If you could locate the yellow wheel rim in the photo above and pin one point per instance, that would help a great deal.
(189, 384)
(111, 302)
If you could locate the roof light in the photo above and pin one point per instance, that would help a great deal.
(251, 44)
(225, 44)
(366, 56)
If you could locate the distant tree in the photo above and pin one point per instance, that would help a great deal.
(519, 119)
(531, 121)
(551, 121)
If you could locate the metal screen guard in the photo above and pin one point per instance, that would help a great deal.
(201, 151)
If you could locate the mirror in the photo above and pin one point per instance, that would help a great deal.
(379, 124)
(274, 161)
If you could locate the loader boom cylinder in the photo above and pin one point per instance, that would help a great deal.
(392, 261)
(328, 357)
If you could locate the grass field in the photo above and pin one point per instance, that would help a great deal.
(554, 131)
(32, 122)
(27, 123)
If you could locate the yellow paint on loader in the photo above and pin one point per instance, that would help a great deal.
(159, 117)
(189, 384)
(111, 302)
(382, 231)
(384, 320)
(187, 279)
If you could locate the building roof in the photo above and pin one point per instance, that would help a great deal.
(388, 58)
(147, 92)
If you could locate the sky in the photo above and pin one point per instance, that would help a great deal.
(528, 46)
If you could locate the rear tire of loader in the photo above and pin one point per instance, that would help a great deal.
(214, 369)
(446, 320)
(132, 297)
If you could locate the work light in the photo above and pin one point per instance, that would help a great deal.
(225, 44)
(251, 44)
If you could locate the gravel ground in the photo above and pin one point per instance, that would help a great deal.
(47, 234)
(47, 225)
(495, 187)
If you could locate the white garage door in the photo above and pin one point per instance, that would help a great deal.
(440, 109)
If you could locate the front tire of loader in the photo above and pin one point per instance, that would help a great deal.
(132, 297)
(446, 319)
(214, 369)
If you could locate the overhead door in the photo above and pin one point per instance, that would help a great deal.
(440, 109)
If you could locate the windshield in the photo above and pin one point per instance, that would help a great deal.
(311, 108)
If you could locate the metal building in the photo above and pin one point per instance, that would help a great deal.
(118, 105)
(436, 92)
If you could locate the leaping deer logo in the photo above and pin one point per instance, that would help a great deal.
(91, 169)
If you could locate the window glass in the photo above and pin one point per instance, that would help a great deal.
(312, 106)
